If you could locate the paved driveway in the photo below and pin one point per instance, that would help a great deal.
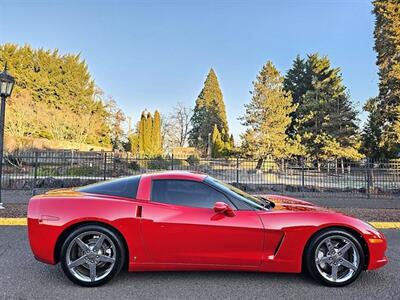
(22, 277)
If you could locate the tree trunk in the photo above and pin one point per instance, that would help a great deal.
(259, 164)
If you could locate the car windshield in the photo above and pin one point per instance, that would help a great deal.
(257, 203)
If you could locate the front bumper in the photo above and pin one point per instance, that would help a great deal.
(377, 246)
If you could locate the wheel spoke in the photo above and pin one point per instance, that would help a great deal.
(322, 260)
(345, 248)
(81, 244)
(329, 244)
(105, 258)
(81, 260)
(92, 269)
(349, 265)
(99, 243)
(334, 272)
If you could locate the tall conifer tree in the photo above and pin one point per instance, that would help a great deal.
(156, 134)
(148, 128)
(141, 133)
(147, 138)
(387, 46)
(209, 111)
(297, 82)
(268, 116)
(328, 115)
(372, 131)
(217, 145)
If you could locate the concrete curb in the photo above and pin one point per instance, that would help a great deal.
(13, 222)
(23, 222)
(386, 225)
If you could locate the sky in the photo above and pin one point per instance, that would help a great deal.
(153, 54)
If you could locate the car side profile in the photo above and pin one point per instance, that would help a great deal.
(190, 221)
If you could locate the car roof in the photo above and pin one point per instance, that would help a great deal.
(180, 175)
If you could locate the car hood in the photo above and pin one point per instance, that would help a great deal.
(293, 204)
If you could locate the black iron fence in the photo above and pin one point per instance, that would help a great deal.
(55, 169)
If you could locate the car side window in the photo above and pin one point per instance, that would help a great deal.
(122, 187)
(186, 193)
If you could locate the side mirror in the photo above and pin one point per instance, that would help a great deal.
(223, 208)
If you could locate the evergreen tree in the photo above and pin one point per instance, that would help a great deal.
(147, 139)
(232, 142)
(134, 143)
(156, 134)
(209, 111)
(268, 116)
(148, 130)
(326, 120)
(141, 132)
(297, 81)
(372, 131)
(217, 145)
(387, 46)
(54, 85)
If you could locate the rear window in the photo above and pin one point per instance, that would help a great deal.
(122, 187)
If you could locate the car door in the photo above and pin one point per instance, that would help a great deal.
(179, 225)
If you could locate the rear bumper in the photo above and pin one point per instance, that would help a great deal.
(42, 238)
(42, 241)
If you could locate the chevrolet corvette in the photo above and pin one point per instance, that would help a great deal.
(190, 221)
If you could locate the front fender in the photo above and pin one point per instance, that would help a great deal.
(297, 228)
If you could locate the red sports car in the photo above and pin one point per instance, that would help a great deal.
(191, 221)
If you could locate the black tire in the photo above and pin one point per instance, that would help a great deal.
(113, 270)
(314, 270)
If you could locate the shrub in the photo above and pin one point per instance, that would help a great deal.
(193, 160)
(133, 165)
(159, 163)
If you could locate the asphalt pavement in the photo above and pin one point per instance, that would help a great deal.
(22, 277)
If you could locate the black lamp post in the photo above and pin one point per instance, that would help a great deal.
(6, 87)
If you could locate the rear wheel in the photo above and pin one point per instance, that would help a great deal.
(92, 255)
(334, 257)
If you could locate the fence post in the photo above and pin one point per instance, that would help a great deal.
(302, 175)
(237, 170)
(368, 178)
(35, 172)
(72, 158)
(172, 161)
(114, 163)
(105, 166)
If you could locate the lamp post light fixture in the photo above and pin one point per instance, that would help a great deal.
(6, 87)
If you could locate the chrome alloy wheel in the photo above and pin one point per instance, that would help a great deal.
(337, 258)
(91, 256)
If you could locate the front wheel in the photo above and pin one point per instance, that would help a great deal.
(92, 255)
(334, 257)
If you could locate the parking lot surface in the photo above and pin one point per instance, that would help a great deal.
(22, 277)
